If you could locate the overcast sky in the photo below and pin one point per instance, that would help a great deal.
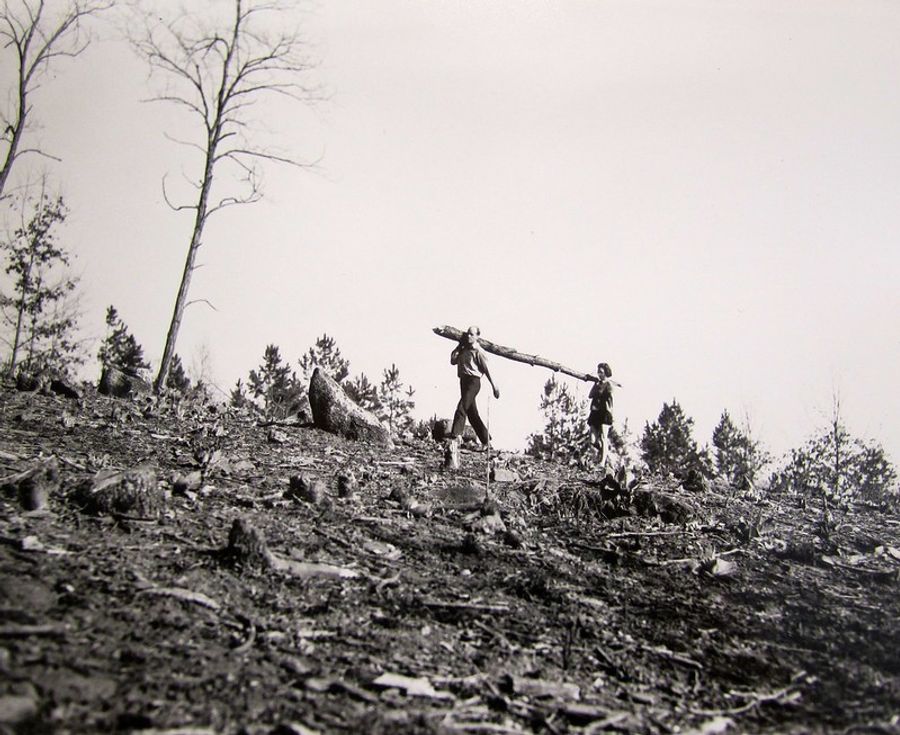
(706, 195)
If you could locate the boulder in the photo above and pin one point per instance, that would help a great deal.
(119, 384)
(334, 411)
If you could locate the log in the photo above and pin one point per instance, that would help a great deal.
(512, 354)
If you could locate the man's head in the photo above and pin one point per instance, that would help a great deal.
(604, 370)
(472, 334)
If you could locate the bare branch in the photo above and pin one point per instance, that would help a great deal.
(220, 75)
(37, 41)
(232, 154)
(174, 207)
(200, 301)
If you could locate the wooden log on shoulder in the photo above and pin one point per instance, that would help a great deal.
(511, 353)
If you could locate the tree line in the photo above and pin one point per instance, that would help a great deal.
(832, 464)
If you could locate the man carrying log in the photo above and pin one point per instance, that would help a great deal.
(471, 364)
(600, 417)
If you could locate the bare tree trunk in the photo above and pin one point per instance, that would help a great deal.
(511, 354)
(17, 129)
(181, 299)
(218, 77)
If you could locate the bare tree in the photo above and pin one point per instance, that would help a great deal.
(218, 74)
(34, 37)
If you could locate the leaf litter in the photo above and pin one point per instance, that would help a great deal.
(379, 599)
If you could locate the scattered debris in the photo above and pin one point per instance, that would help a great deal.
(585, 601)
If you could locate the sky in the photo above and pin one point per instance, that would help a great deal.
(704, 194)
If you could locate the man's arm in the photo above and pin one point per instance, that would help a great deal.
(454, 356)
(487, 374)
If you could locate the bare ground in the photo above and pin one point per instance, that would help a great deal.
(588, 613)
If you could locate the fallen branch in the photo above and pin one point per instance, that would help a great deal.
(185, 595)
(778, 697)
(674, 657)
(25, 631)
(465, 606)
(511, 353)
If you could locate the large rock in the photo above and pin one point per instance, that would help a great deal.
(119, 384)
(335, 412)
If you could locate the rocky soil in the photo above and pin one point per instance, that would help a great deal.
(180, 568)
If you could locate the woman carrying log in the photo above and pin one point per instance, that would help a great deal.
(471, 364)
(600, 417)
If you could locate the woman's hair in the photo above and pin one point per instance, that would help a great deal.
(606, 369)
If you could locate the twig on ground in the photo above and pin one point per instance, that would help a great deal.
(466, 606)
(776, 697)
(672, 656)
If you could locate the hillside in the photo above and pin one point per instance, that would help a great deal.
(404, 602)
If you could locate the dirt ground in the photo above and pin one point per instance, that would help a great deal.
(404, 602)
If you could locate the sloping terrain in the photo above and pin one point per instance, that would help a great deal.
(406, 602)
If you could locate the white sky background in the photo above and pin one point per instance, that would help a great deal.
(706, 195)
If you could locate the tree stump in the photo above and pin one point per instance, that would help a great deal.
(306, 488)
(134, 492)
(451, 455)
(33, 486)
(247, 546)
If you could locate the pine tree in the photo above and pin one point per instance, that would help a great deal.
(120, 349)
(668, 445)
(363, 393)
(238, 397)
(739, 458)
(395, 400)
(275, 387)
(839, 467)
(41, 313)
(566, 434)
(325, 354)
(178, 379)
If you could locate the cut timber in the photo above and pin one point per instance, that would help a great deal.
(512, 354)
